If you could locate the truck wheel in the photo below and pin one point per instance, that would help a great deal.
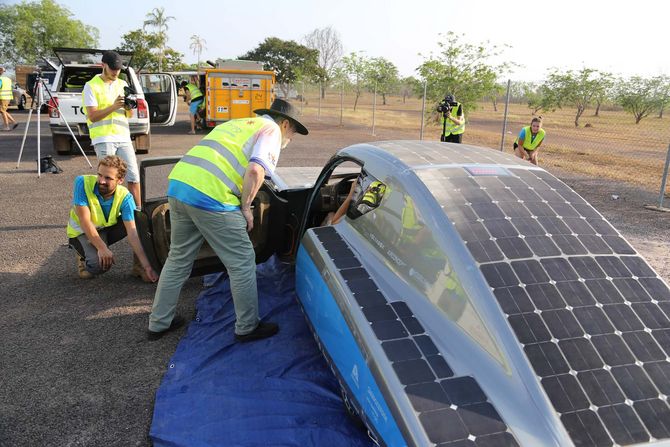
(62, 144)
(142, 143)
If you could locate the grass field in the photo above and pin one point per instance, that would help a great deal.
(609, 146)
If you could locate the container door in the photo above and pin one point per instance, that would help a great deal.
(160, 92)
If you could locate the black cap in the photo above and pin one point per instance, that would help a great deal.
(450, 98)
(283, 108)
(112, 59)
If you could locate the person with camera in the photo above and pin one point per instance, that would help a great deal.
(107, 113)
(6, 95)
(528, 143)
(193, 97)
(453, 120)
(102, 213)
(210, 192)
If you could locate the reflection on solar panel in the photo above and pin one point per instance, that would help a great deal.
(453, 411)
(590, 314)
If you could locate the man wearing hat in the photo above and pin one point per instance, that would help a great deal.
(210, 192)
(107, 118)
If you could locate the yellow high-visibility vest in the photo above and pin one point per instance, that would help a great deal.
(116, 122)
(6, 89)
(452, 128)
(97, 215)
(527, 143)
(194, 91)
(216, 165)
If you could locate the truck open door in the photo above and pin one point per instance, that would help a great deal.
(160, 92)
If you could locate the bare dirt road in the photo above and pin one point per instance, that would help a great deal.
(76, 369)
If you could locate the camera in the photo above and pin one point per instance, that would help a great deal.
(129, 98)
(446, 104)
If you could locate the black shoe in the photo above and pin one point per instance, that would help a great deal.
(263, 330)
(177, 322)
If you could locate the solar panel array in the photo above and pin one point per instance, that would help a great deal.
(588, 311)
(453, 410)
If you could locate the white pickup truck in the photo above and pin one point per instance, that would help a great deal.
(156, 99)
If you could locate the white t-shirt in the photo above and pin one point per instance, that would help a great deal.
(91, 101)
(265, 146)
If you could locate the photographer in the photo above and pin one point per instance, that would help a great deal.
(453, 120)
(107, 112)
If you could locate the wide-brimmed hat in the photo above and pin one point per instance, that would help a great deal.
(283, 108)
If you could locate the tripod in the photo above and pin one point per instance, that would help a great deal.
(39, 89)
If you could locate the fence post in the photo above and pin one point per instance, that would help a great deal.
(664, 181)
(341, 102)
(504, 129)
(423, 108)
(318, 113)
(374, 107)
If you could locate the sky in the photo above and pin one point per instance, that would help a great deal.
(624, 38)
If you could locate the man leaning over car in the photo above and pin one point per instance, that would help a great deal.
(210, 193)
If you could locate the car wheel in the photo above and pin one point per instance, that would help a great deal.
(22, 102)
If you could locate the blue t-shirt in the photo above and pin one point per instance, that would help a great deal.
(80, 199)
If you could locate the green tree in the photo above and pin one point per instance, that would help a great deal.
(538, 97)
(288, 59)
(574, 89)
(382, 76)
(141, 43)
(355, 70)
(409, 86)
(604, 86)
(29, 30)
(158, 20)
(639, 96)
(197, 45)
(462, 69)
(327, 42)
(663, 93)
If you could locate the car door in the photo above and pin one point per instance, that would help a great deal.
(160, 93)
(271, 214)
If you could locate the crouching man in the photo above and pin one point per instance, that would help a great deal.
(102, 213)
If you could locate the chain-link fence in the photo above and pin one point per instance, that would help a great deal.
(605, 145)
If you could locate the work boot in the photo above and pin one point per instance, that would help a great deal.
(138, 270)
(81, 266)
(263, 330)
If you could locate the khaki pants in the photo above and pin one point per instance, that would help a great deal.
(226, 233)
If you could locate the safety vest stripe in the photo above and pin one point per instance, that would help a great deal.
(75, 225)
(212, 169)
(116, 122)
(225, 153)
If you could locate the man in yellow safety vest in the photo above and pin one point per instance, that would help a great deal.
(194, 98)
(6, 95)
(210, 192)
(529, 140)
(453, 120)
(107, 118)
(102, 213)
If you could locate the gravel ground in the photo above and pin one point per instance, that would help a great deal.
(76, 369)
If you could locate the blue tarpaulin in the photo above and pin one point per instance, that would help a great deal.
(273, 392)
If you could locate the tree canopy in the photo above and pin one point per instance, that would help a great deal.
(569, 88)
(639, 96)
(31, 29)
(288, 59)
(463, 70)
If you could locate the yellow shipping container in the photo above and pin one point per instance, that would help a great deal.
(234, 93)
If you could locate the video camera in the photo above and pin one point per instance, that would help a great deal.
(129, 98)
(444, 107)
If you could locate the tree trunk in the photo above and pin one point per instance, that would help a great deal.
(358, 94)
(580, 110)
(383, 99)
(404, 97)
(323, 91)
(495, 104)
(597, 109)
(638, 118)
(660, 113)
